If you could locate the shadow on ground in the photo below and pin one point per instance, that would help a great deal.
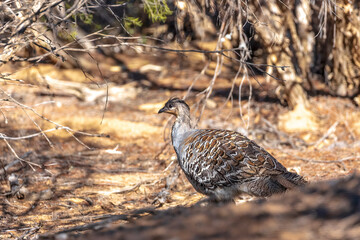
(327, 210)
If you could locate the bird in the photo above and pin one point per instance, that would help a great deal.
(224, 164)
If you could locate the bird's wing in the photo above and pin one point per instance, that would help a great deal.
(221, 158)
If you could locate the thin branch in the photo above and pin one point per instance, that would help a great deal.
(221, 52)
(19, 158)
(77, 139)
(48, 120)
(37, 125)
(330, 131)
(14, 162)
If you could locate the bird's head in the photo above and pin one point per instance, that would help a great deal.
(176, 107)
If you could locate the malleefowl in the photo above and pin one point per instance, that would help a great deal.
(224, 164)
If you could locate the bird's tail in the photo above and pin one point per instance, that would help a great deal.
(290, 180)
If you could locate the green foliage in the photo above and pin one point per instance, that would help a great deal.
(69, 36)
(97, 26)
(157, 10)
(73, 34)
(132, 22)
(85, 18)
(67, 5)
(43, 18)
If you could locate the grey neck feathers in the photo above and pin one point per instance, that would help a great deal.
(181, 126)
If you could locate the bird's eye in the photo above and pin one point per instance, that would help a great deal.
(170, 105)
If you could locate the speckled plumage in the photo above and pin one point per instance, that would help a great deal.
(224, 164)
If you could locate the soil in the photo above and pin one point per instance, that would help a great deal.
(71, 183)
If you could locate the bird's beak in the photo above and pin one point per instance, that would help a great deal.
(162, 110)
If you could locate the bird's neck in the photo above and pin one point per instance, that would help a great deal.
(181, 126)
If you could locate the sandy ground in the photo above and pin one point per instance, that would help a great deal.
(69, 179)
